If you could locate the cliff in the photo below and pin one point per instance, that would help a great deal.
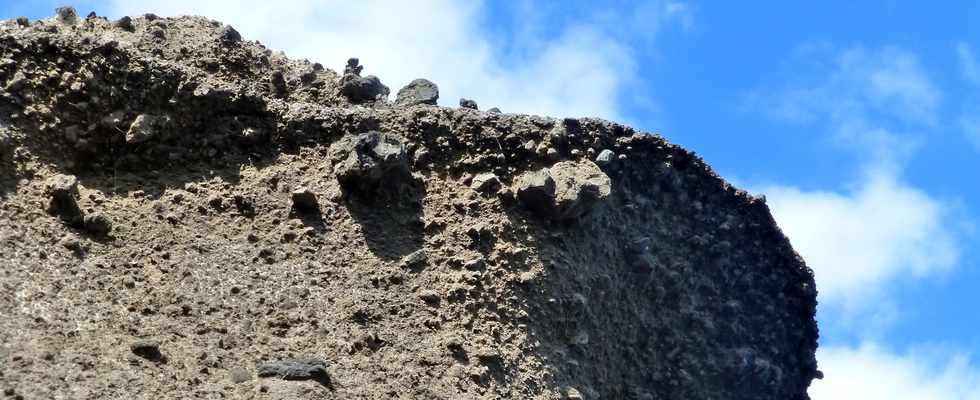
(185, 213)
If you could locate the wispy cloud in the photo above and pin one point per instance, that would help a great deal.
(970, 68)
(968, 63)
(577, 69)
(871, 372)
(878, 101)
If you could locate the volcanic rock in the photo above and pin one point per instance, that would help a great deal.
(446, 253)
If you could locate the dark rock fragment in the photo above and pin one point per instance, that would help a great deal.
(537, 190)
(485, 182)
(494, 110)
(278, 82)
(125, 23)
(23, 22)
(415, 259)
(304, 200)
(467, 103)
(148, 349)
(295, 369)
(358, 89)
(419, 91)
(63, 190)
(365, 160)
(67, 15)
(353, 67)
(230, 35)
(97, 224)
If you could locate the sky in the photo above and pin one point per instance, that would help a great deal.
(859, 122)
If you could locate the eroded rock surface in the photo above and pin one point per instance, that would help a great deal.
(167, 178)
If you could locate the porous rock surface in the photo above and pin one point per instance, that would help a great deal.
(187, 214)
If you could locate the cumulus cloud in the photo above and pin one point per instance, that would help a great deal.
(579, 70)
(860, 239)
(871, 372)
(866, 235)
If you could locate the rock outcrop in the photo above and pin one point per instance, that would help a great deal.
(187, 214)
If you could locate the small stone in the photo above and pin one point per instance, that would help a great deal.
(360, 89)
(536, 190)
(605, 157)
(365, 161)
(125, 23)
(98, 224)
(230, 35)
(419, 91)
(573, 394)
(429, 296)
(23, 22)
(216, 202)
(63, 190)
(67, 15)
(305, 200)
(239, 375)
(148, 349)
(72, 243)
(353, 67)
(581, 185)
(415, 258)
(494, 110)
(145, 127)
(298, 369)
(566, 191)
(467, 103)
(485, 182)
(91, 15)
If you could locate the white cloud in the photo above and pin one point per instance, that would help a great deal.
(859, 240)
(863, 97)
(580, 71)
(870, 372)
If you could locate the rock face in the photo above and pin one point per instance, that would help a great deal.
(165, 178)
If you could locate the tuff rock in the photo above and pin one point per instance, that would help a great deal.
(451, 253)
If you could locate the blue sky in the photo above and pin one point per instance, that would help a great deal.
(860, 122)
